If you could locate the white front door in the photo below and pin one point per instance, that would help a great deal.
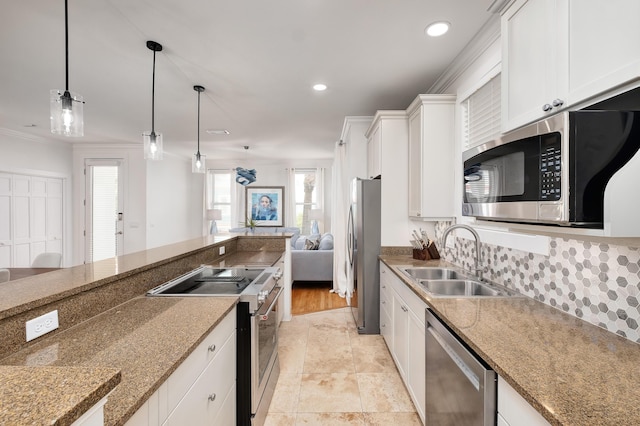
(104, 209)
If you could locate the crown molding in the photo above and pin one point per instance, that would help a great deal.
(488, 34)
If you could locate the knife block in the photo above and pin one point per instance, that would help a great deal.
(430, 252)
(422, 254)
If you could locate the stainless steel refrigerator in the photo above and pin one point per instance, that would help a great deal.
(363, 248)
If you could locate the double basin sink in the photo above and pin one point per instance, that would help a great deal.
(446, 282)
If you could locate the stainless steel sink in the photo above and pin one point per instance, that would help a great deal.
(432, 273)
(461, 288)
(448, 282)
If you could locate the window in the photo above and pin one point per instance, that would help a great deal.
(481, 114)
(220, 196)
(307, 190)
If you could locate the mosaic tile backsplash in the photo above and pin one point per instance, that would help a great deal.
(599, 283)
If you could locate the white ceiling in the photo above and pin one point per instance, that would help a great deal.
(257, 60)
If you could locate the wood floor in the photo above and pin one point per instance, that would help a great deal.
(310, 296)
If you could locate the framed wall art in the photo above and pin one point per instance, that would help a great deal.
(265, 205)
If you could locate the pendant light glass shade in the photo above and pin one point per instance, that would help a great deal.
(153, 149)
(198, 160)
(198, 163)
(66, 107)
(66, 113)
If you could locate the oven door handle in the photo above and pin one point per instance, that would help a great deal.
(263, 313)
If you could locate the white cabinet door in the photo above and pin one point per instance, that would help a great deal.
(431, 157)
(554, 56)
(514, 409)
(601, 59)
(529, 64)
(400, 334)
(416, 363)
(373, 152)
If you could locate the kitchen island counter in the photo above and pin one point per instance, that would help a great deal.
(107, 323)
(570, 371)
(145, 339)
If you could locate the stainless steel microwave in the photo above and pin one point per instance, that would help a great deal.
(554, 171)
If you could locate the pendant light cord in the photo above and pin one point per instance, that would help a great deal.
(153, 94)
(198, 122)
(66, 45)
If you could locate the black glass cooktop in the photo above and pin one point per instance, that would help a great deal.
(209, 281)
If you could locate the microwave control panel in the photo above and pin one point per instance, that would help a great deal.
(550, 167)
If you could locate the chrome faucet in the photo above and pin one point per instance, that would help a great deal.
(478, 269)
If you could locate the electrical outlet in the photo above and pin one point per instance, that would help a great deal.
(221, 250)
(42, 325)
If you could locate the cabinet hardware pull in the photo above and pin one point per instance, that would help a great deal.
(212, 397)
(212, 348)
(557, 102)
(547, 107)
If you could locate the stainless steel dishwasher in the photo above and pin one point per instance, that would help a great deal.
(461, 388)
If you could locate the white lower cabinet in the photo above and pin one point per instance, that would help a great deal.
(94, 416)
(202, 390)
(513, 410)
(406, 335)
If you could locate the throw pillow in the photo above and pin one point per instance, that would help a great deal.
(311, 244)
(326, 242)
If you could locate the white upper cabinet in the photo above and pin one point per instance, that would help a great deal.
(604, 46)
(530, 65)
(558, 53)
(431, 157)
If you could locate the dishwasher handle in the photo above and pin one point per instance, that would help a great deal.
(466, 370)
(471, 366)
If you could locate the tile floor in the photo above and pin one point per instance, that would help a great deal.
(331, 375)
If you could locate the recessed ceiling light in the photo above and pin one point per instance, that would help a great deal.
(437, 29)
(217, 131)
(319, 87)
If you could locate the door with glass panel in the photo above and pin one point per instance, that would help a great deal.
(104, 209)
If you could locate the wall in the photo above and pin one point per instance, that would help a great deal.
(31, 155)
(174, 208)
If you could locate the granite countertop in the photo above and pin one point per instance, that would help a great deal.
(23, 294)
(570, 371)
(55, 396)
(138, 343)
(142, 342)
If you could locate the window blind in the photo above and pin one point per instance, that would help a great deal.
(481, 114)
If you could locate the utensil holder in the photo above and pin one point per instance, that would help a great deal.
(421, 254)
(428, 253)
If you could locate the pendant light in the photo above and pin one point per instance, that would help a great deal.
(66, 107)
(198, 160)
(152, 140)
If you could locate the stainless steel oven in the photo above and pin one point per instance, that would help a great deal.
(258, 366)
(265, 366)
(554, 171)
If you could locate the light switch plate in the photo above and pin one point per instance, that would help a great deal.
(42, 325)
(221, 250)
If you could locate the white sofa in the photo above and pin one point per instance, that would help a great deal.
(315, 264)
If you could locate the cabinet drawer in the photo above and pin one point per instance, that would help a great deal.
(413, 302)
(181, 380)
(385, 296)
(203, 401)
(386, 327)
